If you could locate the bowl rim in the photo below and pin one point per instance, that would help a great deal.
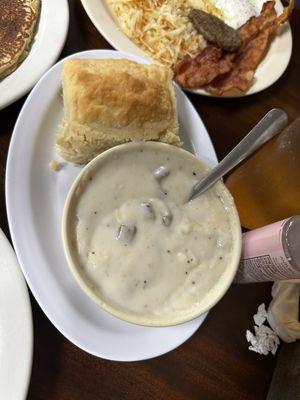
(135, 319)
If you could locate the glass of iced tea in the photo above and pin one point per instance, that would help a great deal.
(266, 188)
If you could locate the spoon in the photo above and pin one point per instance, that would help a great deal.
(270, 125)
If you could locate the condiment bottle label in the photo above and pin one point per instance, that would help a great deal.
(263, 257)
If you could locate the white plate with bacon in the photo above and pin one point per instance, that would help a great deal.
(162, 30)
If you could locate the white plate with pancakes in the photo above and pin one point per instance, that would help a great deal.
(48, 38)
(37, 220)
(16, 331)
(267, 73)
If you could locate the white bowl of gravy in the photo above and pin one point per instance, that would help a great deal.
(137, 247)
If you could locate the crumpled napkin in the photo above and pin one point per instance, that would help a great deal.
(283, 311)
(264, 340)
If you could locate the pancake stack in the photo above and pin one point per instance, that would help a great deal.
(18, 21)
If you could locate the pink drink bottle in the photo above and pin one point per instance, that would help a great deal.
(271, 253)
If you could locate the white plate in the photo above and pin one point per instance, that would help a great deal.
(47, 45)
(16, 337)
(35, 199)
(267, 73)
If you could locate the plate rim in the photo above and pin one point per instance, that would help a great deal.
(9, 194)
(53, 4)
(20, 283)
(137, 51)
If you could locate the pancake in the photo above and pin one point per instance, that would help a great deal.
(18, 20)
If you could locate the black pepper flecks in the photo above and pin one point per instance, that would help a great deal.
(193, 282)
(221, 258)
(95, 212)
(168, 251)
(186, 272)
(93, 252)
(194, 173)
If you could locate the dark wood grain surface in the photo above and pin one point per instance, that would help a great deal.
(215, 363)
(285, 383)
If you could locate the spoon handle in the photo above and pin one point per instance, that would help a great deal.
(270, 125)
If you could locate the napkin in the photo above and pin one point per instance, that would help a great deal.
(283, 312)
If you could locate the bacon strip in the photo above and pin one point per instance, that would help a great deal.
(203, 69)
(230, 73)
(258, 24)
(241, 76)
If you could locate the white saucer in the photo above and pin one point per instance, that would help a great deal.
(35, 224)
(16, 333)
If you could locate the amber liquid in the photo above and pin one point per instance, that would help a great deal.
(266, 188)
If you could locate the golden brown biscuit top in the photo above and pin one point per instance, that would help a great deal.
(116, 92)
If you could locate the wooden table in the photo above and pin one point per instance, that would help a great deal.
(215, 363)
